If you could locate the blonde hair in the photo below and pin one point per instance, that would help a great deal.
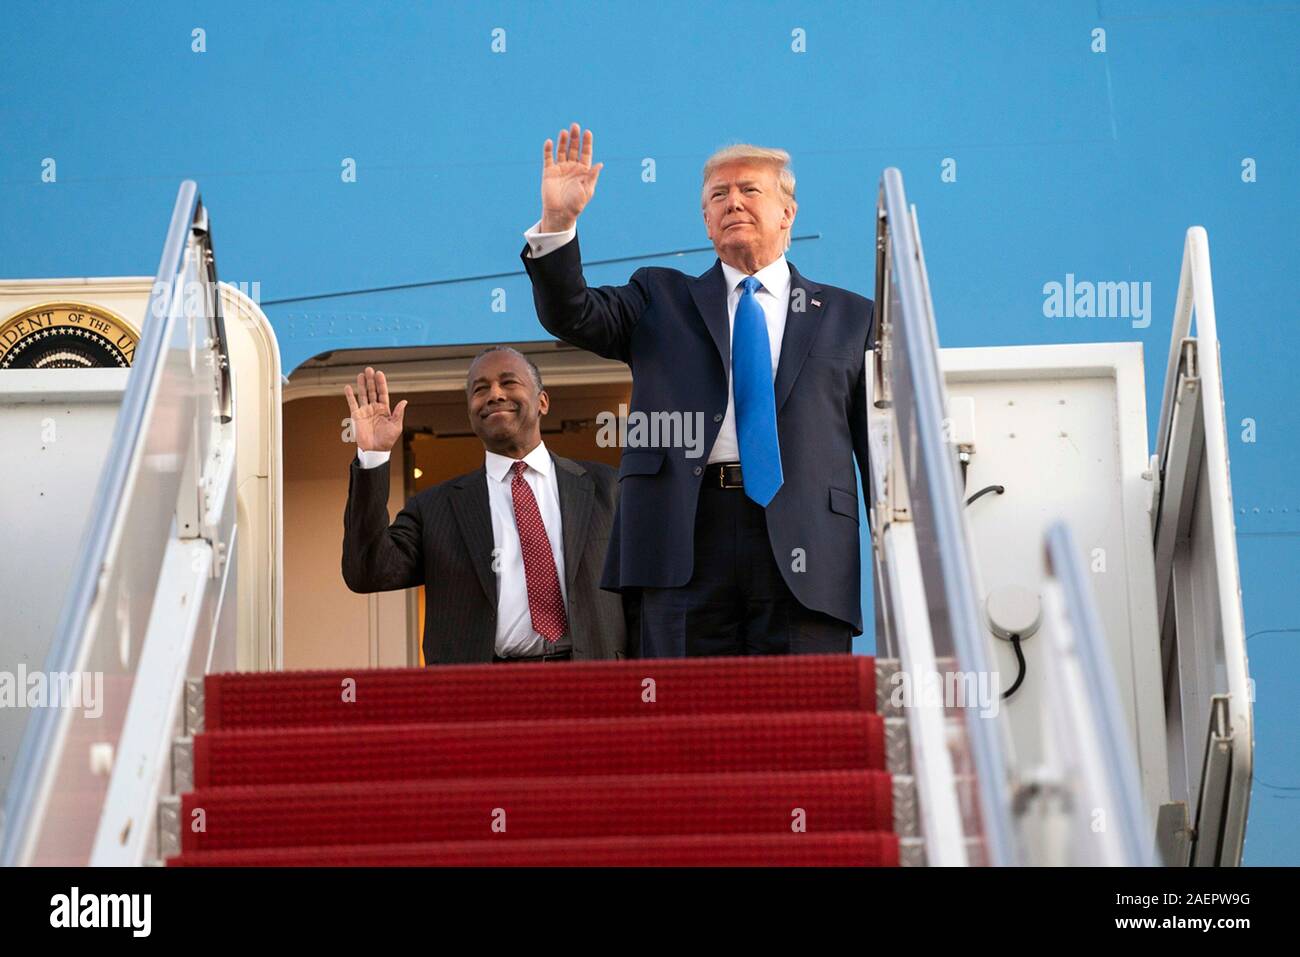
(748, 153)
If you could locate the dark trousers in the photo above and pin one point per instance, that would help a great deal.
(736, 602)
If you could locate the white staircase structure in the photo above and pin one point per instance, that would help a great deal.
(1024, 536)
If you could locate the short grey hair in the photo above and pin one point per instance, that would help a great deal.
(756, 155)
(532, 366)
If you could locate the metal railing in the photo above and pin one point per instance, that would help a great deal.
(1089, 784)
(152, 490)
(917, 504)
(1208, 695)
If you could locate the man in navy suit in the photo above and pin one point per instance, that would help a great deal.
(752, 548)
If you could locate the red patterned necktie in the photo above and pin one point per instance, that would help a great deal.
(545, 602)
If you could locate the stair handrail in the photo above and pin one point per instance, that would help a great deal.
(1092, 759)
(907, 362)
(150, 458)
(1219, 650)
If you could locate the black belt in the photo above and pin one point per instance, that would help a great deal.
(723, 475)
(556, 656)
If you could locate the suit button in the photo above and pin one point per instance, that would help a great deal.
(699, 470)
(717, 416)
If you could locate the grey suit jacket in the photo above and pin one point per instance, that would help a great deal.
(442, 540)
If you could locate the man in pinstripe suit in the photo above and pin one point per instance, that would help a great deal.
(509, 555)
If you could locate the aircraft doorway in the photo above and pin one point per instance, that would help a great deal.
(326, 625)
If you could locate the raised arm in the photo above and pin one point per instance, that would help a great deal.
(378, 556)
(599, 319)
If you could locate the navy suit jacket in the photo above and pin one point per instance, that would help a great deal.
(672, 330)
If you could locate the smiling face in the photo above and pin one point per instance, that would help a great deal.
(505, 405)
(747, 215)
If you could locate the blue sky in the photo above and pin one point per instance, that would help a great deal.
(1068, 161)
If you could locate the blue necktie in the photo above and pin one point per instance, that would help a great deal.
(751, 383)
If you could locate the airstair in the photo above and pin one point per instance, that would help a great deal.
(1060, 675)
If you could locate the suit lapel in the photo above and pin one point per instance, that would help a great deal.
(575, 512)
(473, 515)
(802, 319)
(710, 295)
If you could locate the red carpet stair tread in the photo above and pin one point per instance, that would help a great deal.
(721, 762)
(834, 849)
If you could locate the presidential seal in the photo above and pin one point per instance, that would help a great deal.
(66, 335)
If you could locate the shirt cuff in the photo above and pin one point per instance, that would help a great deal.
(369, 459)
(539, 243)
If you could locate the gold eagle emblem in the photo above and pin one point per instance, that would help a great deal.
(66, 335)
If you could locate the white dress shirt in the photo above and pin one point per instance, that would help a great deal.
(774, 297)
(515, 636)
